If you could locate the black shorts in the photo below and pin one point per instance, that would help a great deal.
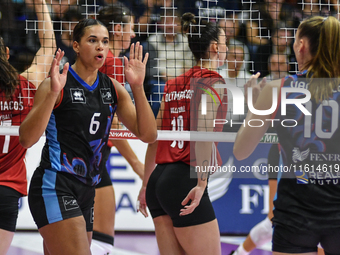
(9, 207)
(55, 196)
(168, 185)
(273, 161)
(289, 240)
(105, 180)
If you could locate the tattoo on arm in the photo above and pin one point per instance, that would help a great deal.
(205, 174)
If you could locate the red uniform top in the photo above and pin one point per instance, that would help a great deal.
(12, 155)
(181, 111)
(113, 67)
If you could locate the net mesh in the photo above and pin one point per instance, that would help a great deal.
(259, 35)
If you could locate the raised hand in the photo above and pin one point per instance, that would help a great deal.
(135, 67)
(58, 80)
(256, 87)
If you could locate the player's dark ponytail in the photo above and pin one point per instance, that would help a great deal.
(200, 34)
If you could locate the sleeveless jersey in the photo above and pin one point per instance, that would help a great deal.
(181, 112)
(308, 194)
(113, 67)
(12, 155)
(79, 126)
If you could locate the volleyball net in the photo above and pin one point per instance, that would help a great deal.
(259, 36)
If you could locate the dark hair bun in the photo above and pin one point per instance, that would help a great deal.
(188, 19)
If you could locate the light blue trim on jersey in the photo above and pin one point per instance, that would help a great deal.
(82, 82)
(53, 144)
(49, 195)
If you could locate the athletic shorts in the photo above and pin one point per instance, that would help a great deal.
(55, 196)
(290, 240)
(273, 161)
(168, 185)
(105, 180)
(9, 207)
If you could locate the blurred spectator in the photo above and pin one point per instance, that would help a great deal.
(281, 42)
(234, 73)
(64, 36)
(316, 7)
(173, 54)
(232, 28)
(148, 13)
(203, 7)
(264, 17)
(119, 21)
(57, 10)
(13, 16)
(59, 7)
(278, 66)
(8, 12)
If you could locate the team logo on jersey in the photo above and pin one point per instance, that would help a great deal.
(106, 96)
(301, 176)
(210, 94)
(299, 155)
(78, 96)
(70, 203)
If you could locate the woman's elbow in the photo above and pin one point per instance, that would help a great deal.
(151, 137)
(239, 153)
(25, 140)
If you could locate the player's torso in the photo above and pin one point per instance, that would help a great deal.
(79, 127)
(311, 155)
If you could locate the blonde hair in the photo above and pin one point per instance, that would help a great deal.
(323, 35)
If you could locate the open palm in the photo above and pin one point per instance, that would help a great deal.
(135, 67)
(58, 80)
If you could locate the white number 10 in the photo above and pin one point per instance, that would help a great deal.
(334, 119)
(179, 126)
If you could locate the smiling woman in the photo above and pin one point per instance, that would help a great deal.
(76, 109)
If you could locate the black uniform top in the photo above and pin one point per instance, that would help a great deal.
(308, 195)
(79, 126)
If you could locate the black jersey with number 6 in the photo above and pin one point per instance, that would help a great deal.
(79, 127)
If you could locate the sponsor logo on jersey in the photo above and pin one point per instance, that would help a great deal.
(70, 203)
(78, 96)
(211, 95)
(106, 96)
(301, 175)
(299, 155)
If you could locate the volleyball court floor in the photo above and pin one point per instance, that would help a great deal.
(126, 243)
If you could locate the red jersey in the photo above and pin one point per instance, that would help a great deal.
(12, 155)
(113, 67)
(181, 111)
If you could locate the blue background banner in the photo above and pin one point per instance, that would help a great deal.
(240, 200)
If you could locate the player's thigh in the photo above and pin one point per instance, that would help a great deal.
(67, 237)
(56, 196)
(166, 238)
(200, 239)
(104, 210)
(6, 239)
(9, 208)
